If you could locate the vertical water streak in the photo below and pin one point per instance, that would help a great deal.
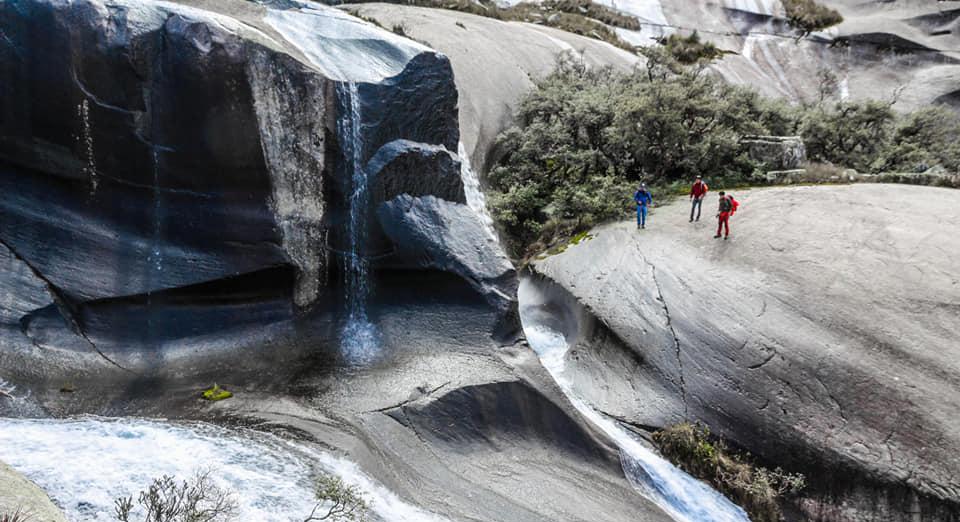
(471, 188)
(358, 338)
(155, 258)
(86, 143)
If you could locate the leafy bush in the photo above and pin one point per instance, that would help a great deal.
(757, 489)
(852, 133)
(690, 49)
(338, 501)
(165, 500)
(808, 16)
(921, 140)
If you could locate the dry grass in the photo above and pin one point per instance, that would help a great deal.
(757, 489)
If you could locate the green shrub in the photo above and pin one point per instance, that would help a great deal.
(690, 49)
(853, 134)
(757, 489)
(808, 16)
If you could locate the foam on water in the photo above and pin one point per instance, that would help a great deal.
(84, 464)
(683, 497)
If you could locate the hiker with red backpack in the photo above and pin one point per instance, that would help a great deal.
(728, 206)
(697, 192)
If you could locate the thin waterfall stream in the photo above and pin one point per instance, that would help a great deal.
(359, 336)
(683, 497)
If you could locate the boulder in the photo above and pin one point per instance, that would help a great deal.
(820, 337)
(776, 152)
(441, 235)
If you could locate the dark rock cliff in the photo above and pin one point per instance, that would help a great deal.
(174, 171)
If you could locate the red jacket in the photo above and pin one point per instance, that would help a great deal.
(698, 190)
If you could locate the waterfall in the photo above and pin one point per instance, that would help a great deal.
(358, 337)
(85, 463)
(471, 188)
(683, 497)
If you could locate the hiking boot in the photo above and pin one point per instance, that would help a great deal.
(726, 238)
(716, 236)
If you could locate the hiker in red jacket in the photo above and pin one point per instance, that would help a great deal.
(728, 206)
(697, 192)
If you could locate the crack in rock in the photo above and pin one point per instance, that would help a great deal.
(673, 332)
(401, 404)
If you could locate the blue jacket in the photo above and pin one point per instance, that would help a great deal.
(643, 198)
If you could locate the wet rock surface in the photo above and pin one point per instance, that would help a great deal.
(140, 220)
(821, 337)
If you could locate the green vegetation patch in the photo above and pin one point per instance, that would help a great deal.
(690, 49)
(216, 393)
(808, 16)
(755, 488)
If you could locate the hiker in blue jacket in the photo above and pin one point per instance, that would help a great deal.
(644, 199)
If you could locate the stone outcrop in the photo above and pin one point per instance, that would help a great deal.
(776, 152)
(174, 171)
(20, 496)
(820, 337)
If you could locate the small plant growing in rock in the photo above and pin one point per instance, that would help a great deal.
(757, 489)
(216, 393)
(808, 16)
(400, 29)
(689, 50)
(338, 501)
(165, 500)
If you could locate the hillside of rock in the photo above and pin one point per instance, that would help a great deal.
(821, 336)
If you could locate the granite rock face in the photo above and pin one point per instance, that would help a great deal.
(820, 337)
(19, 495)
(176, 170)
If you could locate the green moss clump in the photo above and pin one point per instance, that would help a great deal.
(216, 393)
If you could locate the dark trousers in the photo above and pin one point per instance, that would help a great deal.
(697, 203)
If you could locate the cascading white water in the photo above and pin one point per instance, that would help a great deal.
(358, 337)
(471, 188)
(683, 497)
(84, 464)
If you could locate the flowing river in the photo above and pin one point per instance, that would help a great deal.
(84, 464)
